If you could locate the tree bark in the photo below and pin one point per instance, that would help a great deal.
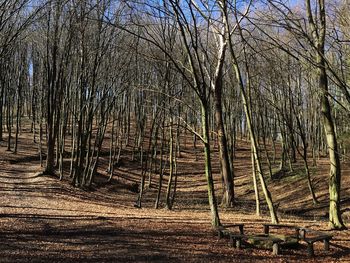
(215, 220)
(318, 35)
(226, 172)
(254, 145)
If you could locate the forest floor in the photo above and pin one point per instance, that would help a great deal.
(43, 219)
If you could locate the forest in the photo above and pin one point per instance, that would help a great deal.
(127, 123)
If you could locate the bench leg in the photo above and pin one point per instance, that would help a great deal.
(266, 230)
(297, 234)
(232, 242)
(241, 230)
(239, 243)
(275, 249)
(310, 249)
(326, 244)
(220, 235)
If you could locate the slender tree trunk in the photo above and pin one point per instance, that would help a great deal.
(2, 91)
(226, 172)
(161, 166)
(318, 34)
(254, 145)
(50, 155)
(18, 116)
(215, 220)
(259, 170)
(142, 183)
(9, 123)
(256, 188)
(171, 165)
(335, 220)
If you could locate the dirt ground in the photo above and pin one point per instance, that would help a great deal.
(43, 219)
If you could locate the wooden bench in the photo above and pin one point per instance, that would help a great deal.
(310, 237)
(226, 229)
(295, 228)
(236, 241)
(303, 234)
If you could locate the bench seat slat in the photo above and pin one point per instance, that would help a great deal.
(317, 238)
(236, 240)
(258, 238)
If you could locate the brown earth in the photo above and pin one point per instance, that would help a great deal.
(43, 219)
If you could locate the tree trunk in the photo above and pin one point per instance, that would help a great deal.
(9, 119)
(254, 145)
(171, 165)
(318, 34)
(215, 220)
(226, 172)
(2, 91)
(256, 188)
(161, 166)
